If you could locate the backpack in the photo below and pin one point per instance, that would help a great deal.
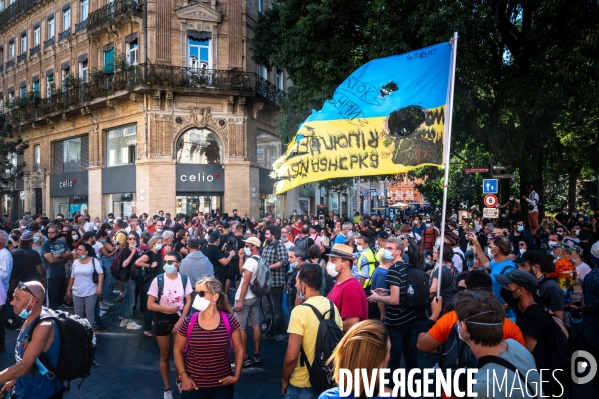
(261, 282)
(302, 242)
(160, 278)
(116, 261)
(328, 336)
(413, 252)
(77, 346)
(420, 281)
(490, 359)
(456, 353)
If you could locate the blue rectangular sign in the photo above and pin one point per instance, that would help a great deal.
(490, 186)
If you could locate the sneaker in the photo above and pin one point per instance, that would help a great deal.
(268, 336)
(257, 358)
(168, 394)
(247, 362)
(264, 327)
(102, 313)
(104, 307)
(280, 337)
(101, 329)
(134, 326)
(121, 299)
(106, 303)
(123, 323)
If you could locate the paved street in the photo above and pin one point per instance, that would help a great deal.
(128, 367)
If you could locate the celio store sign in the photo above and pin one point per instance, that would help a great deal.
(70, 183)
(192, 178)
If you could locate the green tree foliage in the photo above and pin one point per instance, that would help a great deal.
(527, 71)
(11, 147)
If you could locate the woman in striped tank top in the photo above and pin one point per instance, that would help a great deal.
(204, 343)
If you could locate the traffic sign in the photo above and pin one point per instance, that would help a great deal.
(490, 186)
(497, 167)
(504, 176)
(476, 170)
(491, 200)
(491, 213)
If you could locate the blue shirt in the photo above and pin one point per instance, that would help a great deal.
(497, 268)
(37, 386)
(333, 393)
(340, 239)
(378, 278)
(54, 269)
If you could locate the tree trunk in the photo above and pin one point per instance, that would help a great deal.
(573, 174)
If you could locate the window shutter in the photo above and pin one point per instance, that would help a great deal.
(58, 157)
(84, 152)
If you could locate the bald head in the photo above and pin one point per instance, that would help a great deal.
(36, 288)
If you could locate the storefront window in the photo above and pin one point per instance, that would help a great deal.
(70, 205)
(199, 146)
(122, 204)
(268, 148)
(121, 144)
(72, 155)
(194, 204)
(270, 203)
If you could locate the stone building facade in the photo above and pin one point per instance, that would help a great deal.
(136, 106)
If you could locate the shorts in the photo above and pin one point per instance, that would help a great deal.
(234, 274)
(164, 323)
(249, 313)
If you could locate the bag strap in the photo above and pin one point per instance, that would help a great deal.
(192, 322)
(160, 280)
(227, 323)
(504, 363)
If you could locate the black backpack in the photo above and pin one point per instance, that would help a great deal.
(302, 242)
(420, 281)
(329, 335)
(413, 252)
(77, 346)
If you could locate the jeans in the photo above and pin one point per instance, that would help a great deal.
(148, 314)
(294, 392)
(108, 283)
(86, 307)
(55, 292)
(272, 306)
(403, 337)
(127, 305)
(225, 392)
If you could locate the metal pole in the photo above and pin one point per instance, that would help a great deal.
(449, 119)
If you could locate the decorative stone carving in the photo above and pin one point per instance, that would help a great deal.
(241, 106)
(200, 117)
(137, 99)
(50, 123)
(199, 11)
(230, 104)
(91, 116)
(169, 100)
(115, 107)
(156, 101)
(66, 119)
(258, 106)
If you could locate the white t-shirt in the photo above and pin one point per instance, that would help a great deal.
(457, 260)
(172, 292)
(97, 247)
(249, 265)
(82, 273)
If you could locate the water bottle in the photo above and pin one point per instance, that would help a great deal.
(411, 297)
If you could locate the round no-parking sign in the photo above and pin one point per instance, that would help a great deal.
(490, 200)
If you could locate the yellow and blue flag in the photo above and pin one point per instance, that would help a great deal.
(362, 131)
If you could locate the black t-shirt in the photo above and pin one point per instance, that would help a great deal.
(213, 253)
(538, 324)
(551, 294)
(177, 228)
(178, 246)
(24, 268)
(398, 314)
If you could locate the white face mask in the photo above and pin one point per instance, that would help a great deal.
(331, 270)
(577, 232)
(200, 304)
(522, 250)
(359, 248)
(247, 251)
(294, 265)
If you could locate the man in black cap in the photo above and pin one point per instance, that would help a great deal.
(550, 293)
(538, 328)
(27, 264)
(215, 254)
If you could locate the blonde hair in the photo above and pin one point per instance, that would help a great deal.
(364, 346)
(154, 240)
(214, 287)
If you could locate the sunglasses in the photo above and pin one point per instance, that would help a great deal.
(521, 245)
(131, 239)
(202, 293)
(23, 287)
(170, 262)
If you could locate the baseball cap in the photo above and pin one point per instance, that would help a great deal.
(519, 277)
(214, 236)
(87, 235)
(254, 241)
(382, 234)
(531, 256)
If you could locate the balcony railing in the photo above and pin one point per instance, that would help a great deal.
(10, 63)
(80, 26)
(49, 42)
(1, 68)
(64, 34)
(34, 50)
(136, 77)
(15, 10)
(21, 57)
(109, 13)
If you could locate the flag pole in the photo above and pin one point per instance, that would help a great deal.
(448, 121)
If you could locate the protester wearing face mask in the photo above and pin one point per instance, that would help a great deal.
(247, 304)
(82, 288)
(296, 261)
(203, 344)
(582, 269)
(537, 326)
(539, 265)
(429, 238)
(24, 382)
(55, 254)
(379, 278)
(499, 251)
(150, 260)
(347, 293)
(169, 297)
(303, 331)
(481, 317)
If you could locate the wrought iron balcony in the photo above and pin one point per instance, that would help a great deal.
(139, 77)
(10, 63)
(1, 68)
(49, 42)
(21, 57)
(16, 10)
(64, 34)
(112, 13)
(34, 50)
(80, 26)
